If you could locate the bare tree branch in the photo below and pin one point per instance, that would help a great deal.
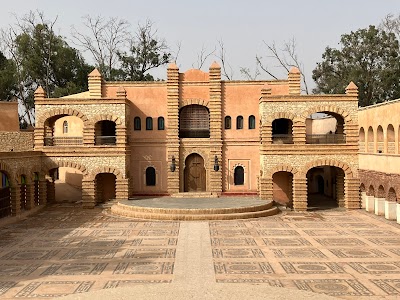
(177, 52)
(247, 73)
(286, 58)
(104, 40)
(391, 23)
(222, 57)
(202, 56)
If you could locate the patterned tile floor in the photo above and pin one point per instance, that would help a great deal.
(346, 254)
(66, 250)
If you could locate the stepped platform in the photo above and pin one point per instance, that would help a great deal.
(187, 209)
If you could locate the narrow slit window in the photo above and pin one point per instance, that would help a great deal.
(228, 122)
(239, 122)
(149, 123)
(65, 127)
(137, 124)
(161, 124)
(150, 176)
(252, 122)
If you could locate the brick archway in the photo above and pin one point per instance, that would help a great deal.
(281, 168)
(59, 164)
(328, 108)
(7, 170)
(118, 174)
(61, 111)
(280, 115)
(187, 102)
(107, 117)
(328, 162)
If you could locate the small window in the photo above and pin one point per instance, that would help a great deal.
(228, 122)
(137, 124)
(252, 122)
(161, 125)
(150, 176)
(238, 176)
(65, 127)
(239, 122)
(149, 123)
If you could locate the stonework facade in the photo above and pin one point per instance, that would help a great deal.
(193, 133)
(379, 158)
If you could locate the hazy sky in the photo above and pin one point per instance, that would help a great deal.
(242, 25)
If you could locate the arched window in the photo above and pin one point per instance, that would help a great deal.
(228, 122)
(137, 124)
(150, 176)
(238, 176)
(194, 122)
(239, 122)
(149, 123)
(160, 123)
(252, 122)
(65, 127)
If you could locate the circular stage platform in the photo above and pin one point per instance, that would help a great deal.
(167, 208)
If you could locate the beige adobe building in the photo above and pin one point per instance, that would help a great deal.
(379, 158)
(193, 133)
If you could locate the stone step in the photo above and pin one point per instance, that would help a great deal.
(195, 195)
(229, 213)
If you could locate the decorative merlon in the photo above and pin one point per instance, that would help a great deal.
(294, 81)
(266, 91)
(215, 65)
(173, 66)
(40, 93)
(95, 82)
(121, 92)
(352, 89)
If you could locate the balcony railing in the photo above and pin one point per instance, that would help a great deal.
(105, 140)
(282, 139)
(63, 141)
(330, 138)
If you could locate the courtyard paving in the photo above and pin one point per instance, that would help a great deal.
(65, 250)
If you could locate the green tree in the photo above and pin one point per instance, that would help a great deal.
(7, 78)
(146, 52)
(43, 58)
(370, 58)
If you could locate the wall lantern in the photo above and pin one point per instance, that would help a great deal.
(172, 167)
(216, 166)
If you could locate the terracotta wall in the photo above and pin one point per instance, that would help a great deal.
(9, 120)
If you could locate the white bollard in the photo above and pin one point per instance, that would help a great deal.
(380, 206)
(398, 212)
(363, 199)
(390, 210)
(370, 203)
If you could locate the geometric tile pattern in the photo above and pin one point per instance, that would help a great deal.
(355, 256)
(67, 250)
(389, 286)
(334, 287)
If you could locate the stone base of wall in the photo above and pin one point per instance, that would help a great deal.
(375, 179)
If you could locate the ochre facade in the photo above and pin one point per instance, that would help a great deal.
(192, 133)
(379, 157)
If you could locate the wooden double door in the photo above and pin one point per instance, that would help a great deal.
(195, 174)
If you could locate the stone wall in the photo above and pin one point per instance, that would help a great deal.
(16, 141)
(376, 179)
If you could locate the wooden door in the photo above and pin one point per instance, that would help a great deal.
(195, 174)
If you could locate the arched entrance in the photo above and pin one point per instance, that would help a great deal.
(5, 195)
(195, 173)
(105, 187)
(325, 187)
(282, 183)
(67, 184)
